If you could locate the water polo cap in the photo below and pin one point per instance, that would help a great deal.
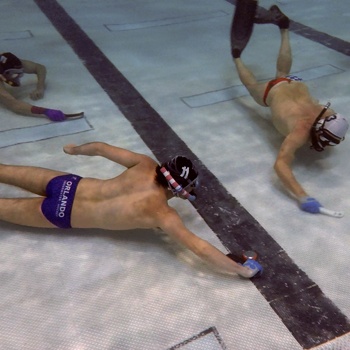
(180, 174)
(329, 131)
(11, 68)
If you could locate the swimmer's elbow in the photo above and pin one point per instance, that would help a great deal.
(276, 166)
(282, 162)
(279, 167)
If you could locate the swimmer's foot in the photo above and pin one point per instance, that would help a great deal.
(242, 25)
(280, 18)
(236, 53)
(274, 15)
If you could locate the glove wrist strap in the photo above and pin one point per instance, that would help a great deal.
(38, 110)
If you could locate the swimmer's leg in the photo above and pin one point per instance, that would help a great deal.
(242, 25)
(248, 79)
(284, 59)
(23, 211)
(32, 179)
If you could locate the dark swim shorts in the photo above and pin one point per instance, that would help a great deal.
(60, 193)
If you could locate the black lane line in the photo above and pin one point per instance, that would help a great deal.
(309, 315)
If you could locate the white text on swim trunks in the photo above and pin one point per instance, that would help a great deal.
(63, 198)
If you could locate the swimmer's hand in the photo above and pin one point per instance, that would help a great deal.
(254, 268)
(37, 94)
(311, 205)
(70, 149)
(54, 115)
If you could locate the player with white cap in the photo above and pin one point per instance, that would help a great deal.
(295, 113)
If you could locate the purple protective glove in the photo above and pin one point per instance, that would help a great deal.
(55, 115)
(309, 204)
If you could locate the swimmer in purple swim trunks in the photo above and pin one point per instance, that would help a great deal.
(295, 113)
(137, 198)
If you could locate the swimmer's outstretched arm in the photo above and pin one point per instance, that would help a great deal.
(283, 165)
(172, 224)
(284, 171)
(13, 104)
(116, 154)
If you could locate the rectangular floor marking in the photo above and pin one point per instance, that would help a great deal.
(15, 35)
(164, 21)
(208, 339)
(230, 93)
(42, 132)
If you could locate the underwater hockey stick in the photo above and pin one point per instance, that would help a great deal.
(333, 213)
(75, 115)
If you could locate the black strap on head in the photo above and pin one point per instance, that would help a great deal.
(315, 134)
(181, 174)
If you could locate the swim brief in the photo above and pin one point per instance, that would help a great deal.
(60, 193)
(276, 81)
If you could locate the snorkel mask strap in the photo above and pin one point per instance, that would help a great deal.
(175, 187)
(314, 132)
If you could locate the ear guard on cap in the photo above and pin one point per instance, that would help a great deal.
(175, 187)
(329, 131)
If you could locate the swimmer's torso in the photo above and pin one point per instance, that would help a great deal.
(291, 102)
(127, 201)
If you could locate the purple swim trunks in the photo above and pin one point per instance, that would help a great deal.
(57, 206)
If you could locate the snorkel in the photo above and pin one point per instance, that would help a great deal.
(177, 189)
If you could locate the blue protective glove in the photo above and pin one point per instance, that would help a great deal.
(254, 265)
(55, 115)
(309, 204)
